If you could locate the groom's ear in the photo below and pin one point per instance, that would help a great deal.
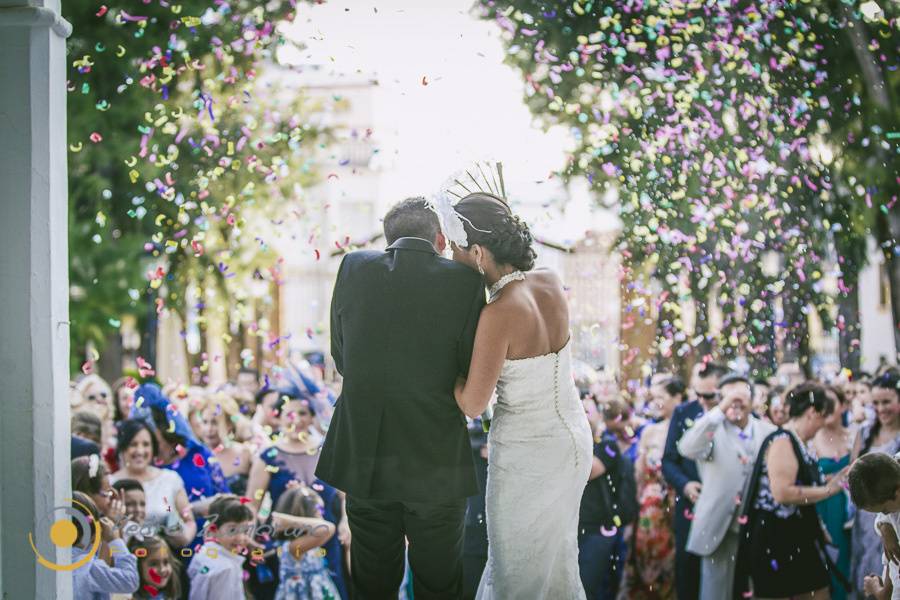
(440, 242)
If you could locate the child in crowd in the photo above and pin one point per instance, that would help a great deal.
(158, 569)
(90, 476)
(302, 530)
(96, 580)
(216, 570)
(134, 497)
(132, 493)
(874, 482)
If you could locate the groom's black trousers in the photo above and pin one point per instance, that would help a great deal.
(435, 534)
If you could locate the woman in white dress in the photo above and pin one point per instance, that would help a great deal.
(167, 506)
(539, 444)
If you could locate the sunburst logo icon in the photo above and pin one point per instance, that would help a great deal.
(64, 534)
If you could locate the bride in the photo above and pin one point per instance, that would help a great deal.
(540, 445)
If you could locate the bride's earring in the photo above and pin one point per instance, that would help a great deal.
(480, 269)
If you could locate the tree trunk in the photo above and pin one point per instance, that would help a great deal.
(636, 332)
(761, 336)
(871, 71)
(848, 328)
(730, 328)
(148, 339)
(701, 324)
(666, 330)
(111, 360)
(893, 270)
(796, 343)
(875, 83)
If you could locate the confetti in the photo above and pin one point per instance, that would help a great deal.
(226, 128)
(145, 369)
(719, 135)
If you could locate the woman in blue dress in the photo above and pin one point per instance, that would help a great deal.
(180, 451)
(293, 458)
(831, 445)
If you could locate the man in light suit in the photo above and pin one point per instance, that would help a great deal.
(681, 474)
(724, 441)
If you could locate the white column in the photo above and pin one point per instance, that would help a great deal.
(34, 413)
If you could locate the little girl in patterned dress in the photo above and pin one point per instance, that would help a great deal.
(299, 524)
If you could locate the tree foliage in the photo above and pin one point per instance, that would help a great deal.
(175, 145)
(726, 129)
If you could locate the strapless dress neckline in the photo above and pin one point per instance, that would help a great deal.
(548, 354)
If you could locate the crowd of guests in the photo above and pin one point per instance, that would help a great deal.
(205, 493)
(733, 487)
(719, 483)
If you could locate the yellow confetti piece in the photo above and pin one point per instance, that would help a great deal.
(76, 147)
(133, 175)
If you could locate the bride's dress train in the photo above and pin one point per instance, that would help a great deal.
(540, 451)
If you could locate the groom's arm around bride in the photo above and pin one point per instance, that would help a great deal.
(403, 326)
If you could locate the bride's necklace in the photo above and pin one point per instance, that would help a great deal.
(494, 291)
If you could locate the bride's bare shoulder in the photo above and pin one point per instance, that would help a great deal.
(545, 275)
(547, 280)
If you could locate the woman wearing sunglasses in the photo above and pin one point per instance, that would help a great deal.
(92, 393)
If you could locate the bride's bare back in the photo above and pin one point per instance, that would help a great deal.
(529, 318)
(538, 310)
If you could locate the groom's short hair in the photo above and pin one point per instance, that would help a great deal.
(412, 217)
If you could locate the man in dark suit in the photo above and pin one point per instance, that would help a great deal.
(402, 330)
(682, 475)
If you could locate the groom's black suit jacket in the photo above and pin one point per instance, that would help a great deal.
(402, 329)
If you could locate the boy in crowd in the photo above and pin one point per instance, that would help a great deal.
(874, 482)
(216, 570)
(135, 507)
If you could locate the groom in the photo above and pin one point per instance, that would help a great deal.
(402, 329)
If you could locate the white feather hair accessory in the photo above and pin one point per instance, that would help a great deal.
(464, 182)
(93, 465)
(451, 222)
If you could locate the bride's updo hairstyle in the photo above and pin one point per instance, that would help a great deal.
(510, 241)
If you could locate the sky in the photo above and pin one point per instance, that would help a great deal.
(444, 97)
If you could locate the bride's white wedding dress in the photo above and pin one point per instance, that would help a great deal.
(540, 450)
